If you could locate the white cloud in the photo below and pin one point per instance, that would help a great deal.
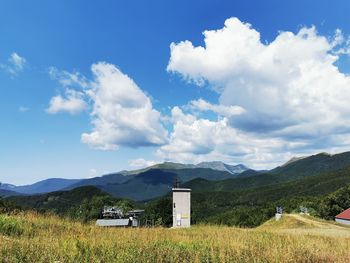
(195, 140)
(122, 114)
(73, 103)
(286, 97)
(222, 110)
(23, 109)
(275, 100)
(15, 64)
(340, 44)
(17, 61)
(68, 79)
(141, 163)
(92, 173)
(287, 87)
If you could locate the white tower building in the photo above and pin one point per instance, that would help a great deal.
(181, 207)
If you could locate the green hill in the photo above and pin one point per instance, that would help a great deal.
(7, 193)
(254, 205)
(297, 170)
(83, 202)
(44, 186)
(312, 185)
(314, 164)
(114, 178)
(152, 183)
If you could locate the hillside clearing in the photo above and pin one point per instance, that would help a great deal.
(297, 224)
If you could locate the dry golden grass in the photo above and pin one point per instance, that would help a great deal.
(306, 225)
(35, 238)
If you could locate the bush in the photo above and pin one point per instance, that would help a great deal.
(159, 212)
(335, 203)
(11, 226)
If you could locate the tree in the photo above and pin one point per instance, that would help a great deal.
(335, 203)
(125, 205)
(160, 211)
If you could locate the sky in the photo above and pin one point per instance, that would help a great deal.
(94, 87)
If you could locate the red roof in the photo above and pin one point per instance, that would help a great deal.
(344, 215)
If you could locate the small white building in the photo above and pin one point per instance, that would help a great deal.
(181, 207)
(114, 217)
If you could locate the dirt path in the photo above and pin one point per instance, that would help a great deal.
(318, 224)
(317, 228)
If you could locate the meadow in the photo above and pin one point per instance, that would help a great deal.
(31, 237)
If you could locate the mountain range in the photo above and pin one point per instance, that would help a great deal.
(44, 186)
(157, 180)
(247, 199)
(141, 184)
(214, 165)
(8, 193)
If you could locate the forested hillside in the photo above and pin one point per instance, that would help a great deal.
(247, 199)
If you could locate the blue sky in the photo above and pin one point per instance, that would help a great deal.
(189, 108)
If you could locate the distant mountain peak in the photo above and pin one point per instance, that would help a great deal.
(324, 153)
(221, 166)
(214, 165)
(215, 170)
(293, 159)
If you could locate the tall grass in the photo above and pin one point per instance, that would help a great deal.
(31, 237)
(10, 226)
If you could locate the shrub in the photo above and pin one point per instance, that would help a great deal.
(11, 226)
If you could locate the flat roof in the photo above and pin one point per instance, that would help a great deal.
(112, 222)
(181, 190)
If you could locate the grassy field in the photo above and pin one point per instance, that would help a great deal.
(35, 238)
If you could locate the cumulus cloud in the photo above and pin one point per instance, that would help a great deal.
(73, 102)
(14, 65)
(141, 163)
(288, 93)
(287, 87)
(275, 100)
(196, 139)
(222, 110)
(122, 114)
(68, 79)
(17, 61)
